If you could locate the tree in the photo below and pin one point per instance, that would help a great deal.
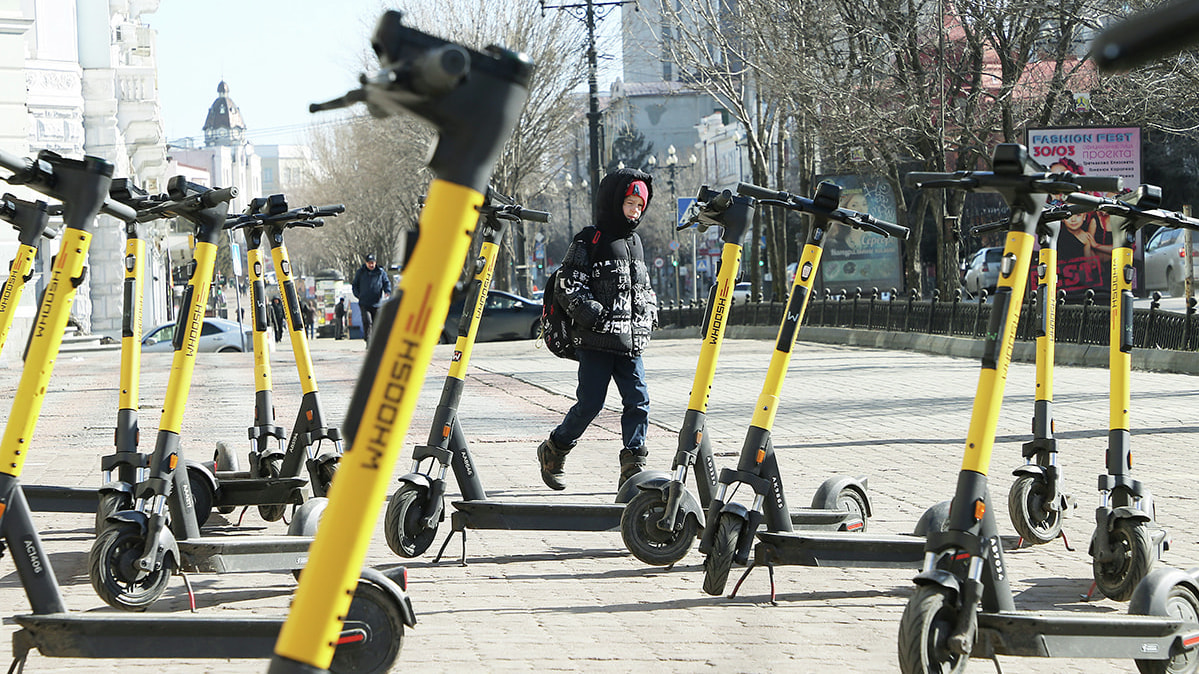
(630, 149)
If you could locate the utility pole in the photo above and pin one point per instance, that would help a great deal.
(591, 12)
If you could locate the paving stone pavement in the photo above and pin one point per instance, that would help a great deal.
(567, 601)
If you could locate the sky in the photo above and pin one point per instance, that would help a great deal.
(276, 56)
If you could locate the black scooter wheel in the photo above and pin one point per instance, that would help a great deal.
(647, 542)
(270, 468)
(110, 503)
(384, 638)
(406, 534)
(852, 500)
(223, 459)
(1181, 604)
(1028, 508)
(924, 632)
(720, 560)
(114, 574)
(1132, 556)
(203, 496)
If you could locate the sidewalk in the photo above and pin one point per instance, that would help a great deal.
(566, 601)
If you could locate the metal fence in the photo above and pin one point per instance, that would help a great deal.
(1085, 323)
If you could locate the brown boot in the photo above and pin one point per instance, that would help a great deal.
(553, 464)
(631, 462)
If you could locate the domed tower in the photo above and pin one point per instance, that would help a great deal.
(224, 125)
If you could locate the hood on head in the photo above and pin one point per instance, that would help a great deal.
(610, 196)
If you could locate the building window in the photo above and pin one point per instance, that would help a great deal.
(268, 175)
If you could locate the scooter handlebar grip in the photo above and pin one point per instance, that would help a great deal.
(915, 178)
(891, 229)
(534, 216)
(1099, 183)
(118, 210)
(13, 162)
(1084, 199)
(751, 190)
(213, 197)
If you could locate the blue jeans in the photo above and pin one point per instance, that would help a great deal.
(596, 368)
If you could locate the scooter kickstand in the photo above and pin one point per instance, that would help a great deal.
(740, 580)
(1065, 541)
(446, 543)
(1090, 593)
(191, 595)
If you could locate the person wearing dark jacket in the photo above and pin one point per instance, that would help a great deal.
(278, 318)
(371, 286)
(605, 288)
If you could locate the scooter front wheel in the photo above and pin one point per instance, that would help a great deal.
(1126, 562)
(1031, 515)
(720, 560)
(407, 536)
(381, 646)
(271, 468)
(924, 633)
(648, 542)
(112, 568)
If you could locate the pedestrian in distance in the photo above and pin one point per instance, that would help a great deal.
(371, 286)
(606, 292)
(339, 319)
(308, 314)
(278, 318)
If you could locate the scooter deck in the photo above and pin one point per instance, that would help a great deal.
(1070, 635)
(47, 498)
(260, 491)
(838, 548)
(243, 554)
(488, 514)
(113, 635)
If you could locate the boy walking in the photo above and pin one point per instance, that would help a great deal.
(605, 289)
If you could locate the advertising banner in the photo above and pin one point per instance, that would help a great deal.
(856, 259)
(1085, 243)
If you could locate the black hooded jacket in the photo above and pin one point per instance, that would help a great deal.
(604, 280)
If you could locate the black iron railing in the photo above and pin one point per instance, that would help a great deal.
(1085, 323)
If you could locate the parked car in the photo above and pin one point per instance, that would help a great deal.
(505, 316)
(1165, 260)
(216, 335)
(982, 271)
(742, 292)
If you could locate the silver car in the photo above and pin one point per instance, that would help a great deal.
(217, 335)
(1165, 260)
(982, 271)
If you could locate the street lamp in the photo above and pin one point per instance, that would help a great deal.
(672, 165)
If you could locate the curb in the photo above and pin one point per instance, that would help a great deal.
(1082, 355)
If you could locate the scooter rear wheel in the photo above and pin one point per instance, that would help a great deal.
(403, 525)
(1181, 603)
(642, 536)
(224, 460)
(203, 496)
(112, 569)
(1027, 506)
(379, 650)
(1133, 549)
(720, 560)
(924, 631)
(851, 500)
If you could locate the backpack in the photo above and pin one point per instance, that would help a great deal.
(556, 324)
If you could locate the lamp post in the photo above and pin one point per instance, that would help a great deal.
(590, 12)
(672, 165)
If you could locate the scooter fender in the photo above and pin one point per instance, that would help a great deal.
(825, 497)
(1152, 594)
(166, 539)
(1030, 469)
(646, 479)
(116, 487)
(394, 590)
(1127, 513)
(419, 480)
(195, 467)
(941, 578)
(737, 509)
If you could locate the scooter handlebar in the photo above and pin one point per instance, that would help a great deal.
(1099, 183)
(213, 197)
(870, 223)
